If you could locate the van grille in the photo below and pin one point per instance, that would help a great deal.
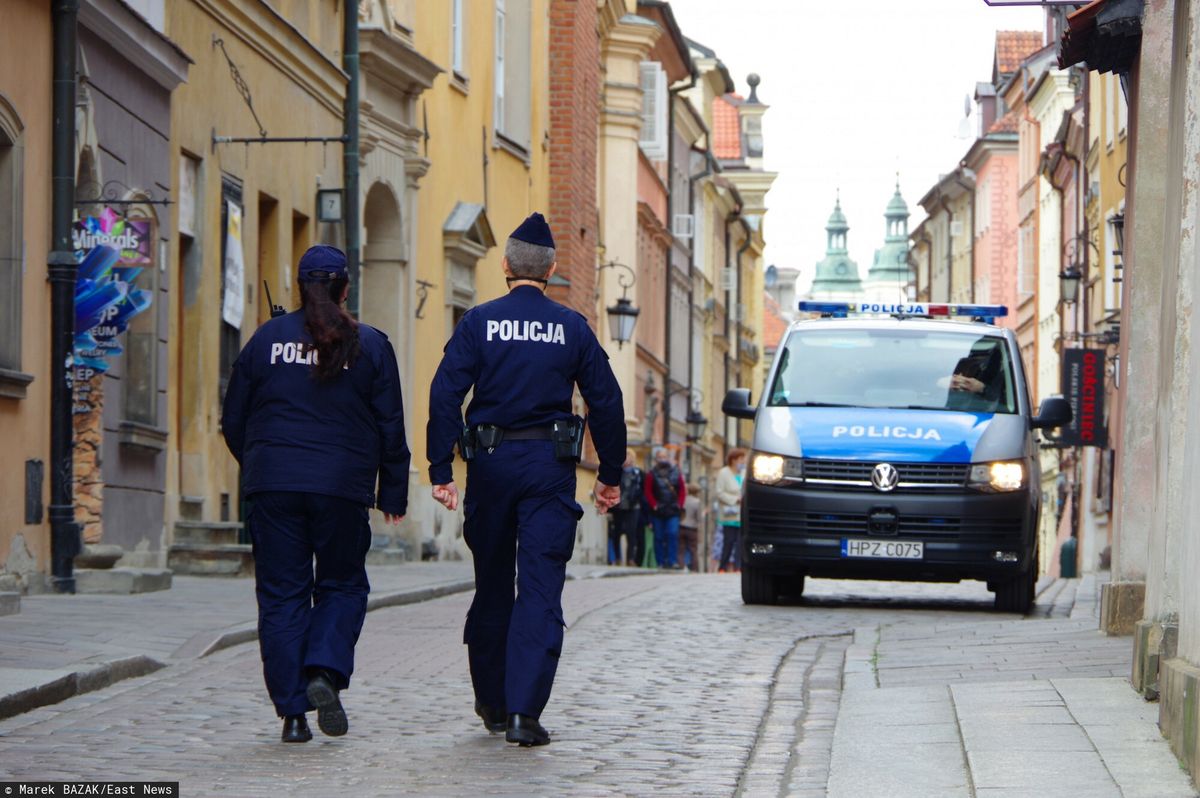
(914, 477)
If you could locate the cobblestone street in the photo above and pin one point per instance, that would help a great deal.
(668, 686)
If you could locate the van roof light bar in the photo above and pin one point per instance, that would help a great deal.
(903, 310)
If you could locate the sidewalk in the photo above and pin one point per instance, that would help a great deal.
(59, 646)
(1015, 707)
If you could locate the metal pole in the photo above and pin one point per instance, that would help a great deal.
(350, 152)
(65, 540)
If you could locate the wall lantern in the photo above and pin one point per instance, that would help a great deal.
(1069, 284)
(696, 422)
(622, 316)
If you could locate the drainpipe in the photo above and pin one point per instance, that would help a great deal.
(970, 233)
(949, 248)
(671, 95)
(745, 246)
(350, 151)
(691, 347)
(65, 533)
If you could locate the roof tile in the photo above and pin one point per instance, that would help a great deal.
(727, 129)
(774, 325)
(1013, 47)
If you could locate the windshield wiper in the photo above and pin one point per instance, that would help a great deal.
(817, 404)
(923, 407)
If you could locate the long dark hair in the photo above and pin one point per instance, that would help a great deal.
(334, 331)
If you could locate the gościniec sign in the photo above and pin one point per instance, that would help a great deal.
(1083, 387)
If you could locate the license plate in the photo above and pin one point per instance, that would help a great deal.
(883, 549)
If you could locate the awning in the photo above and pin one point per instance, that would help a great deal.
(1105, 35)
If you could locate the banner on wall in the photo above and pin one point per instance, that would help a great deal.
(112, 252)
(233, 304)
(1083, 387)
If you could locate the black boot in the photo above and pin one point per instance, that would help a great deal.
(331, 718)
(295, 729)
(494, 720)
(525, 731)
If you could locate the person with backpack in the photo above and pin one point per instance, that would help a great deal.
(624, 517)
(665, 493)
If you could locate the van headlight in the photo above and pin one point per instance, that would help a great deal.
(1002, 476)
(771, 469)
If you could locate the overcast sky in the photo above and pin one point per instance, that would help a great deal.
(857, 91)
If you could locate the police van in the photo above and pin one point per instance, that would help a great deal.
(894, 442)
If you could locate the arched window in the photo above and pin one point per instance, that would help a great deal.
(12, 242)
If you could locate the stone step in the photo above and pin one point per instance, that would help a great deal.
(97, 555)
(389, 556)
(211, 560)
(10, 603)
(214, 533)
(121, 581)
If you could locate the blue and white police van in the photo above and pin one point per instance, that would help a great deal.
(894, 442)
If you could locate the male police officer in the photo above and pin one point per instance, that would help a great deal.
(314, 416)
(523, 354)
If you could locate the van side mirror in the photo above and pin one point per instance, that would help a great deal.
(1054, 412)
(737, 404)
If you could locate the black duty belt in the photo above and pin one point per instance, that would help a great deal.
(542, 433)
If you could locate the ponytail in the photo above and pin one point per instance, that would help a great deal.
(334, 331)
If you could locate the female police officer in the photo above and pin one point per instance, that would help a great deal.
(314, 416)
(523, 354)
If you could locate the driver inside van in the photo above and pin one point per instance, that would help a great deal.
(975, 384)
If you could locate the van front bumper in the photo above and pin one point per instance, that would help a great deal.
(795, 529)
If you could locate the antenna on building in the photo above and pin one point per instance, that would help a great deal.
(964, 125)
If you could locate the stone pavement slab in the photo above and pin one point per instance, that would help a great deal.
(999, 706)
(84, 642)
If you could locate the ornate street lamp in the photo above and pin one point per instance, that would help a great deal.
(696, 422)
(1069, 284)
(623, 315)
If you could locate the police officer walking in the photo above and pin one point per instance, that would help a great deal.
(523, 354)
(314, 416)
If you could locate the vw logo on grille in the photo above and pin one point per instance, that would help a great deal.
(884, 477)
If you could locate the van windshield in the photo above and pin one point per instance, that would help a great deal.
(908, 369)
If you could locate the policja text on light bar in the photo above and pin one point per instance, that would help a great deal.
(901, 309)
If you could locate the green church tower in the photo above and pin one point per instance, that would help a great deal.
(889, 276)
(837, 275)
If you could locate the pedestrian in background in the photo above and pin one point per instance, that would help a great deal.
(523, 355)
(689, 528)
(729, 502)
(665, 493)
(624, 517)
(314, 416)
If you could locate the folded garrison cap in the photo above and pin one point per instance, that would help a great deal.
(534, 230)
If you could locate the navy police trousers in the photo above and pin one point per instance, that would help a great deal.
(305, 623)
(521, 515)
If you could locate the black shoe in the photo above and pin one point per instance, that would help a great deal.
(493, 719)
(295, 729)
(331, 718)
(525, 731)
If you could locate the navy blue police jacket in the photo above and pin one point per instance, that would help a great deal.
(337, 437)
(524, 354)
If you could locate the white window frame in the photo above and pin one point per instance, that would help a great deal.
(498, 88)
(457, 18)
(652, 136)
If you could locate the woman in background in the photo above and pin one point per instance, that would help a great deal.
(729, 503)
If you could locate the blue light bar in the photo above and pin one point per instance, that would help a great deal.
(841, 309)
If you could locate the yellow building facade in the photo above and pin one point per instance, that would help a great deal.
(484, 133)
(25, 128)
(256, 203)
